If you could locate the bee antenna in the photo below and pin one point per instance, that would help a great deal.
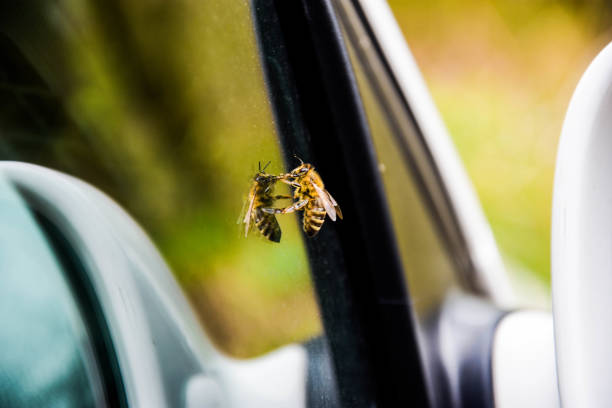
(267, 164)
(259, 166)
(296, 156)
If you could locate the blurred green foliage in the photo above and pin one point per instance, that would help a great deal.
(502, 73)
(163, 106)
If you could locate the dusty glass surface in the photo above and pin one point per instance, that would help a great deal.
(163, 106)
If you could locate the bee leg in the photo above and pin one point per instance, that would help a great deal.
(291, 183)
(292, 208)
(295, 207)
(282, 197)
(269, 210)
(282, 176)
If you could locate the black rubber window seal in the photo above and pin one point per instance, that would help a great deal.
(355, 264)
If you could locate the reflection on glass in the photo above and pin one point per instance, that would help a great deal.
(46, 358)
(162, 105)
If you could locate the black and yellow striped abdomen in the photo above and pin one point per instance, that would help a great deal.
(314, 216)
(268, 225)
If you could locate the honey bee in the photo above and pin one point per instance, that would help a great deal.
(310, 196)
(260, 200)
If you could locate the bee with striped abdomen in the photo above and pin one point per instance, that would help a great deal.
(309, 195)
(260, 201)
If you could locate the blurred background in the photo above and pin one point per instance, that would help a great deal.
(163, 106)
(502, 72)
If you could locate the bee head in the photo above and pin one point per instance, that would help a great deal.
(301, 170)
(262, 177)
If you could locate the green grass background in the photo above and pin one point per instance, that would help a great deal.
(502, 73)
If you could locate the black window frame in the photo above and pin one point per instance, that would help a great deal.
(355, 264)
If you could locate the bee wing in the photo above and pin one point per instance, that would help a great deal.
(242, 210)
(324, 197)
(336, 206)
(247, 216)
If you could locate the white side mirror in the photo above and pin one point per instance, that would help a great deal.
(582, 242)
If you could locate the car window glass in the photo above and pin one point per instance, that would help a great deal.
(427, 267)
(162, 105)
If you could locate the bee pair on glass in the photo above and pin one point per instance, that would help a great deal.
(309, 195)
